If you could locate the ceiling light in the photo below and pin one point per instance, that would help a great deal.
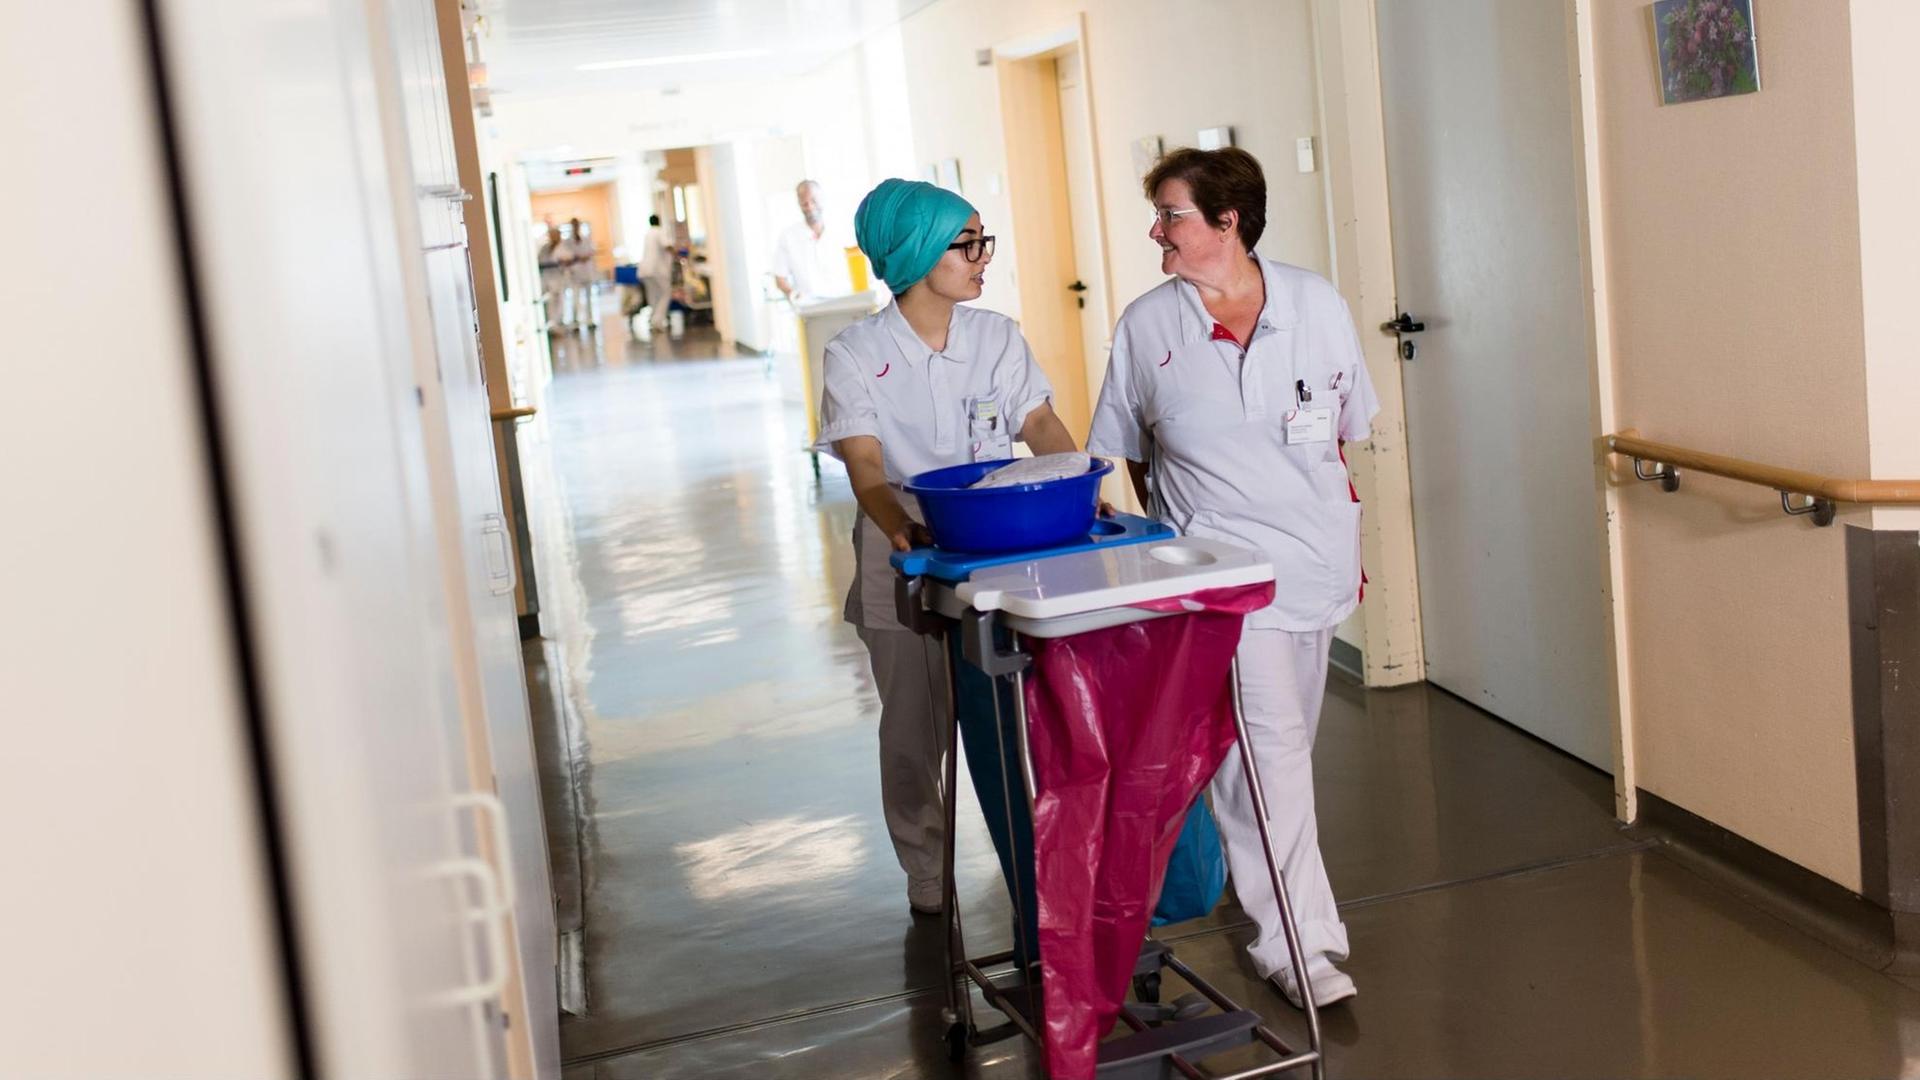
(662, 61)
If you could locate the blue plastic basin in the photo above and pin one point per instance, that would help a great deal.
(1020, 517)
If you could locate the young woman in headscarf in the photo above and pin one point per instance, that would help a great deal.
(926, 383)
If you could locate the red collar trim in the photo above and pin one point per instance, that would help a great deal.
(1221, 333)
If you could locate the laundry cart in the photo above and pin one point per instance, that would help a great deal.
(998, 613)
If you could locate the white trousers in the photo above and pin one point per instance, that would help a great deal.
(659, 292)
(1283, 678)
(911, 677)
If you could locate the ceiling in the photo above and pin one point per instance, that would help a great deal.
(536, 47)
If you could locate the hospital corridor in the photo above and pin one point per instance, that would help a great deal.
(899, 539)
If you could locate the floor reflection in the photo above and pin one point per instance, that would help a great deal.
(744, 916)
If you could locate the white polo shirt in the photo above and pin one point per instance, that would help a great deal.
(928, 409)
(1211, 419)
(815, 267)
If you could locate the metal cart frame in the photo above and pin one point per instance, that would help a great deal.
(1160, 1045)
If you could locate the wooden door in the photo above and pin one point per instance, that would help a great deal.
(1042, 228)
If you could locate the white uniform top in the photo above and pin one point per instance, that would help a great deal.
(928, 409)
(814, 267)
(580, 260)
(1212, 421)
(656, 254)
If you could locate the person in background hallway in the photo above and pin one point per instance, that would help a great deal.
(927, 382)
(581, 277)
(1231, 391)
(553, 274)
(656, 270)
(807, 263)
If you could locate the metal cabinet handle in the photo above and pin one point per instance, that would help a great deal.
(503, 579)
(493, 914)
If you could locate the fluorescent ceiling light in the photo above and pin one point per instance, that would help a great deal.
(662, 61)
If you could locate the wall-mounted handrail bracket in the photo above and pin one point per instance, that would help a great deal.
(1668, 476)
(1820, 510)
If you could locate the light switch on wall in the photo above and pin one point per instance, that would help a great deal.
(1303, 152)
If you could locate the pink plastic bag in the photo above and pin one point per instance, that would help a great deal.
(1126, 725)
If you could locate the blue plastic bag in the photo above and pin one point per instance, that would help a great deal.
(1196, 871)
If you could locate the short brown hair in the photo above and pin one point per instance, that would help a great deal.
(1221, 180)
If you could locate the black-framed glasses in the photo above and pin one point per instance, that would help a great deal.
(978, 248)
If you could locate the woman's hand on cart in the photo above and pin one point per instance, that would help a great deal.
(911, 534)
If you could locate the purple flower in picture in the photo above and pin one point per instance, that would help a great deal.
(1706, 48)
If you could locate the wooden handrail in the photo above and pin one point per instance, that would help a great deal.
(518, 412)
(1628, 443)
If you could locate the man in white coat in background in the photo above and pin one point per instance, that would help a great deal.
(808, 263)
(656, 271)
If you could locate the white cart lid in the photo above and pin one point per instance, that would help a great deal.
(1086, 581)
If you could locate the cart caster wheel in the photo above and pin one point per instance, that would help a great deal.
(957, 1042)
(1146, 988)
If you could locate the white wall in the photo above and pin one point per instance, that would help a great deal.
(1888, 162)
(844, 124)
(139, 931)
(1257, 76)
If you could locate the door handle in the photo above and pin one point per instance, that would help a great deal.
(501, 581)
(1078, 286)
(450, 192)
(1403, 324)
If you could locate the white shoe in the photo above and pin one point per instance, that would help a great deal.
(1330, 984)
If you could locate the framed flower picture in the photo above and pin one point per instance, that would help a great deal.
(1706, 48)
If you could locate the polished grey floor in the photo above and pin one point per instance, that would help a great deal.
(743, 915)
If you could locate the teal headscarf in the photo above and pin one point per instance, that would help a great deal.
(904, 226)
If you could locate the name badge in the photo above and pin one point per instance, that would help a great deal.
(983, 411)
(1308, 425)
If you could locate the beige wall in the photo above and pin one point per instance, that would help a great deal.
(1258, 78)
(1733, 250)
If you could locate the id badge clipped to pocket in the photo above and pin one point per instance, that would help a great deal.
(1307, 425)
(983, 430)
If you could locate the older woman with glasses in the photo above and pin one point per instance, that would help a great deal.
(1231, 391)
(928, 382)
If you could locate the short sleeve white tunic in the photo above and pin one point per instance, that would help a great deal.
(1210, 419)
(967, 402)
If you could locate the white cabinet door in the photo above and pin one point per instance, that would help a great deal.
(401, 930)
(476, 539)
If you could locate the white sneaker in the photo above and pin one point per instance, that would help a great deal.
(1330, 984)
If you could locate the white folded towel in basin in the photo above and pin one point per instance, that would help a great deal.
(1035, 470)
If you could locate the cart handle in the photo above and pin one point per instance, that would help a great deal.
(910, 606)
(978, 646)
